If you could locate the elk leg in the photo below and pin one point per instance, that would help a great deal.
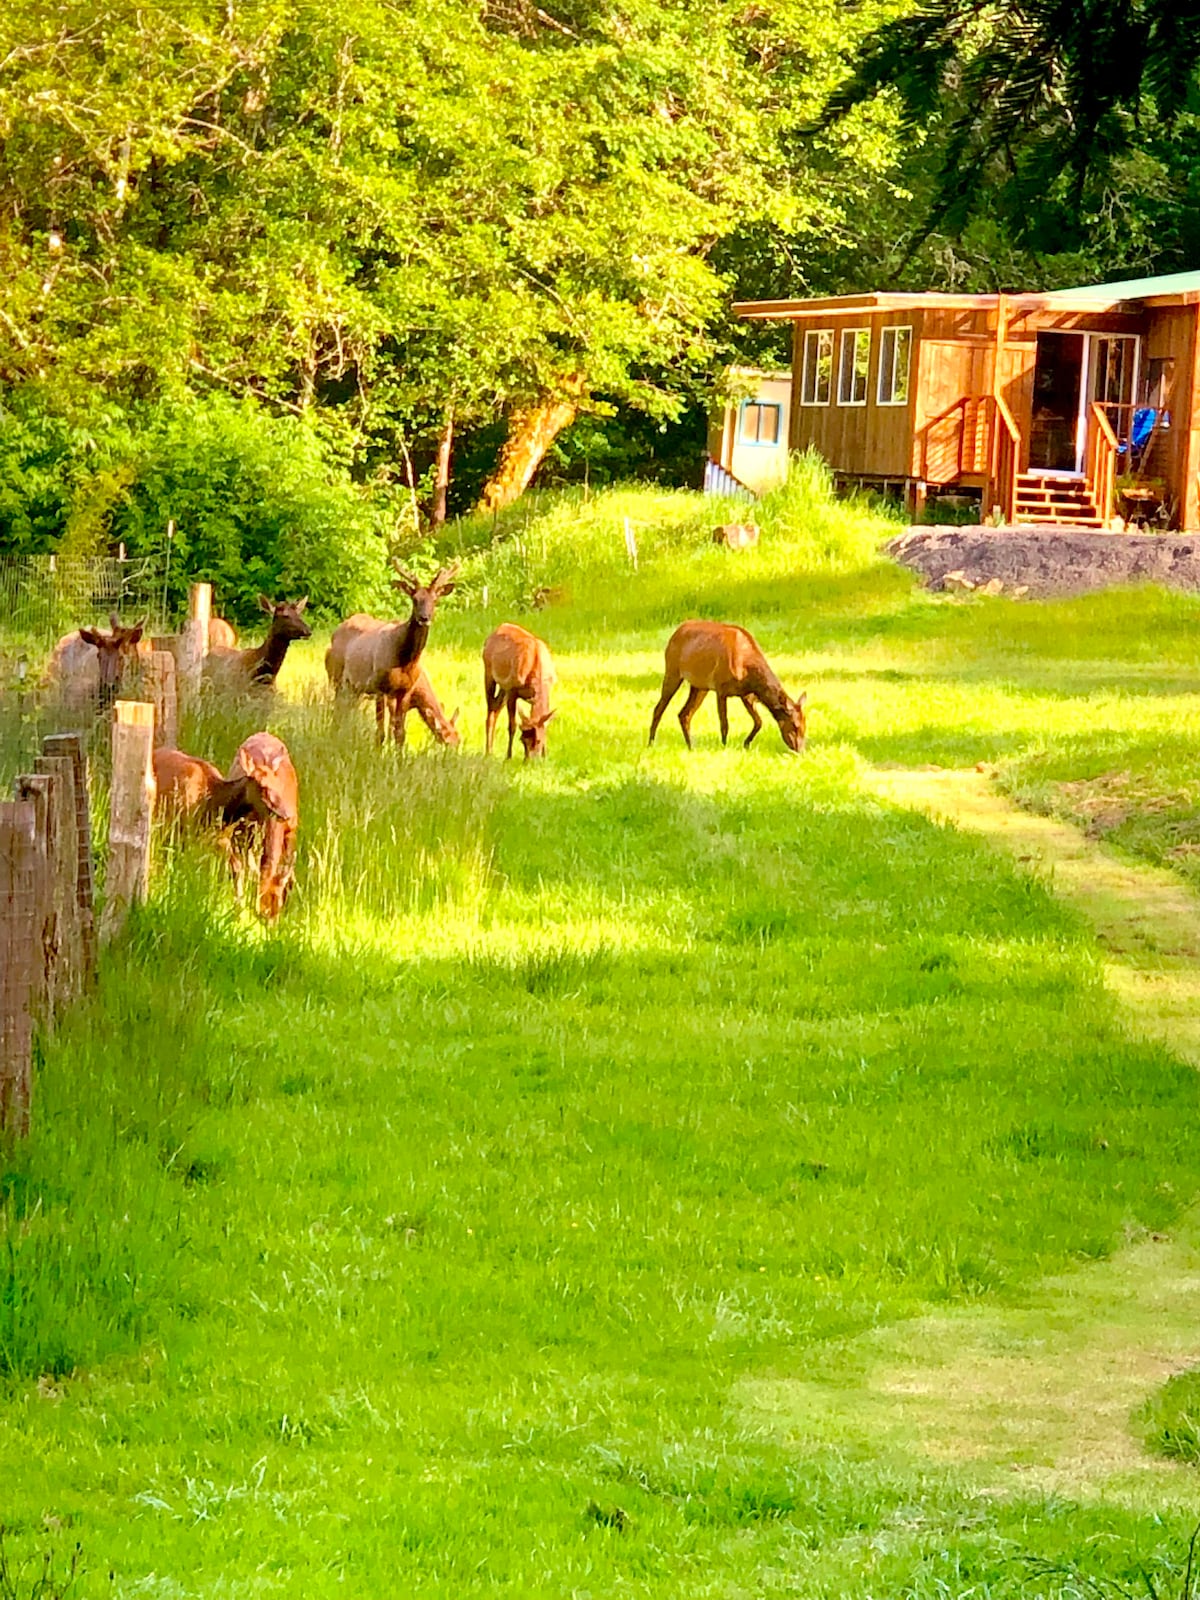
(400, 705)
(695, 696)
(512, 720)
(494, 696)
(670, 689)
(380, 718)
(750, 706)
(723, 717)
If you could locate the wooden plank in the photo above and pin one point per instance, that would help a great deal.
(64, 940)
(70, 746)
(18, 914)
(193, 641)
(158, 679)
(35, 789)
(131, 803)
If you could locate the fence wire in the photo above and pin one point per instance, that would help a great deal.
(42, 598)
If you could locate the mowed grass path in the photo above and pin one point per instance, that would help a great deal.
(474, 1231)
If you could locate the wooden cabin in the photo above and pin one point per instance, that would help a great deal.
(1069, 407)
(748, 438)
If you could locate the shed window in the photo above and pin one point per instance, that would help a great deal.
(817, 372)
(760, 423)
(895, 351)
(854, 366)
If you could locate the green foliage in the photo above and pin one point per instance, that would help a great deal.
(1171, 1419)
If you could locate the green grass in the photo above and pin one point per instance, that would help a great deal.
(432, 1243)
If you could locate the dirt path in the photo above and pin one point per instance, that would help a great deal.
(1043, 1395)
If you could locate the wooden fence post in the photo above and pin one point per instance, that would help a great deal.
(131, 802)
(70, 746)
(65, 945)
(193, 641)
(18, 901)
(159, 680)
(36, 790)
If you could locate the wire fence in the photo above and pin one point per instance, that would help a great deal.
(43, 598)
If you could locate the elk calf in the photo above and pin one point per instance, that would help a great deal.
(723, 659)
(260, 799)
(426, 704)
(183, 782)
(517, 665)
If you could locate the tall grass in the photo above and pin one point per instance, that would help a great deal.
(427, 1242)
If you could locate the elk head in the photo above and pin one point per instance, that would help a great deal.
(115, 650)
(793, 724)
(287, 621)
(533, 734)
(450, 733)
(425, 597)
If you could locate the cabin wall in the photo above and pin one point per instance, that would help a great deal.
(760, 466)
(871, 440)
(1175, 453)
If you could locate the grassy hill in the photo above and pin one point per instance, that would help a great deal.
(530, 1211)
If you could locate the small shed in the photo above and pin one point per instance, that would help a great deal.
(1059, 407)
(748, 439)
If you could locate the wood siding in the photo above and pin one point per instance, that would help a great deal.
(869, 440)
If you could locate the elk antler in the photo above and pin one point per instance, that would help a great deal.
(444, 581)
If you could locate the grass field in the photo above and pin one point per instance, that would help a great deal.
(636, 1173)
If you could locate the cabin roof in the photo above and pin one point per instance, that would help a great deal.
(1172, 288)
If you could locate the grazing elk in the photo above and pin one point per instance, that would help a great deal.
(260, 800)
(428, 707)
(368, 656)
(87, 667)
(725, 659)
(221, 634)
(183, 783)
(257, 668)
(517, 665)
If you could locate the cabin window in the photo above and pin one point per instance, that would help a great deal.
(854, 366)
(895, 351)
(816, 378)
(760, 423)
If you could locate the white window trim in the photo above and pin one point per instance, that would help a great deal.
(894, 327)
(842, 366)
(815, 334)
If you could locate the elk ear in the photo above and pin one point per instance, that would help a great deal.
(300, 604)
(266, 605)
(803, 698)
(527, 722)
(454, 718)
(91, 636)
(447, 588)
(542, 721)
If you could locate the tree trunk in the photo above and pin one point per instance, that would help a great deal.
(531, 432)
(441, 482)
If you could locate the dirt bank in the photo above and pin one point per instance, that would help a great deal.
(1047, 561)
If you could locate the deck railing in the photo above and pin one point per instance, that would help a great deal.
(1006, 458)
(1103, 447)
(975, 436)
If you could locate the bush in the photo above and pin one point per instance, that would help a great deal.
(259, 502)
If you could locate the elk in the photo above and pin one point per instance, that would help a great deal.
(426, 704)
(221, 634)
(726, 660)
(88, 666)
(517, 665)
(182, 782)
(368, 656)
(258, 667)
(260, 799)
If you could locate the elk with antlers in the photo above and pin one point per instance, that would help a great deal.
(368, 656)
(726, 660)
(88, 666)
(257, 668)
(517, 665)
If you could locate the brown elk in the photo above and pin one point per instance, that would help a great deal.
(517, 665)
(87, 667)
(724, 659)
(368, 656)
(221, 634)
(183, 783)
(259, 666)
(428, 707)
(259, 799)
